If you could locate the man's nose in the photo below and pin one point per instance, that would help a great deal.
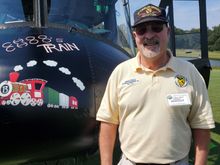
(149, 33)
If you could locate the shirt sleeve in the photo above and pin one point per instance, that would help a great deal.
(200, 116)
(108, 110)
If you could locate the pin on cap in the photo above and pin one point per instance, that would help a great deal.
(149, 13)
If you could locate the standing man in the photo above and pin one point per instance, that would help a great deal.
(157, 102)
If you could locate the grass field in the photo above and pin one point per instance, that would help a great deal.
(192, 53)
(214, 94)
(196, 53)
(214, 55)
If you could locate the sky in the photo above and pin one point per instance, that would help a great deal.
(186, 13)
(190, 18)
(213, 13)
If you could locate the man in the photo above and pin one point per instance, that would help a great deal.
(156, 101)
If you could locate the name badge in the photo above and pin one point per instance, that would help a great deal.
(178, 99)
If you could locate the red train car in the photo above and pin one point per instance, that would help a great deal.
(33, 92)
(73, 102)
(26, 92)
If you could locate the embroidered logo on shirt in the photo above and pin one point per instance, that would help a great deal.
(181, 81)
(130, 82)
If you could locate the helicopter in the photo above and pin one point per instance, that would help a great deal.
(56, 57)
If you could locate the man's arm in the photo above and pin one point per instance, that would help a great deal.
(201, 141)
(107, 138)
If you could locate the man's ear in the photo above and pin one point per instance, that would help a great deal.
(134, 38)
(134, 34)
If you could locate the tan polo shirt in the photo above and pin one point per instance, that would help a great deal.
(155, 110)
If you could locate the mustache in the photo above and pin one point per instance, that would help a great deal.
(152, 41)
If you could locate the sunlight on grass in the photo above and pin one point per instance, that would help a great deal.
(214, 54)
(214, 95)
(196, 53)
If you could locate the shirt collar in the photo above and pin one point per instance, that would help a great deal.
(137, 65)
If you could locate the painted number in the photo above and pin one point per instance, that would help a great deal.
(8, 47)
(20, 43)
(45, 39)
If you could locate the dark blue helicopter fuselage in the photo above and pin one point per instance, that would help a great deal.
(51, 84)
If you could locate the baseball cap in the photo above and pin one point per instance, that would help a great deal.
(149, 13)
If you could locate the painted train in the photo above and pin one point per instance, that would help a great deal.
(34, 93)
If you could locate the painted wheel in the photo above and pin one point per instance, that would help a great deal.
(33, 102)
(25, 99)
(15, 99)
(40, 102)
(3, 102)
(8, 102)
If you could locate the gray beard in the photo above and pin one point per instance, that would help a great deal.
(149, 53)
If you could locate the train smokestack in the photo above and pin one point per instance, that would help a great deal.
(13, 76)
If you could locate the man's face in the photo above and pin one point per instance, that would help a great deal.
(151, 38)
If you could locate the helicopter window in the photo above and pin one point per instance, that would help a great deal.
(12, 12)
(87, 15)
(96, 16)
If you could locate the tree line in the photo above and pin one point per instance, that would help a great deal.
(185, 39)
(190, 39)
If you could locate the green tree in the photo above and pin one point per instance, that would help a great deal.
(214, 38)
(194, 30)
(178, 31)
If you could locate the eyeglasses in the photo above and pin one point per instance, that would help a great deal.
(154, 27)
